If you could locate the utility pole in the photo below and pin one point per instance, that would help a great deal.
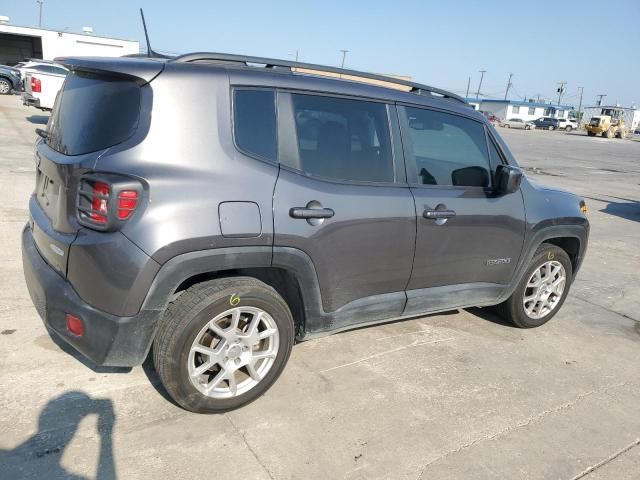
(296, 54)
(482, 72)
(506, 94)
(40, 2)
(468, 85)
(580, 106)
(561, 90)
(344, 55)
(600, 97)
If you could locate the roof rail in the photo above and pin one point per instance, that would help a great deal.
(272, 63)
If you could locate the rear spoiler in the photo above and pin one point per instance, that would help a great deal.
(143, 69)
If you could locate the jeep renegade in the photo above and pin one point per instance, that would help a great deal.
(214, 209)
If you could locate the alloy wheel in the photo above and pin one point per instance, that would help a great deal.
(233, 352)
(544, 289)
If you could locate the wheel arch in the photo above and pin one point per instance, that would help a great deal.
(571, 238)
(289, 271)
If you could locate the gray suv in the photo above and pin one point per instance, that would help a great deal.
(215, 209)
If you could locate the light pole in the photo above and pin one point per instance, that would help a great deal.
(482, 72)
(580, 106)
(344, 55)
(40, 2)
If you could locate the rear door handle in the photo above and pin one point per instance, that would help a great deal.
(437, 214)
(302, 212)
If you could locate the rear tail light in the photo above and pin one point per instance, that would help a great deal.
(127, 201)
(105, 201)
(36, 85)
(99, 198)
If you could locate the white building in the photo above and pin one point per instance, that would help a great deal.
(631, 115)
(507, 109)
(19, 43)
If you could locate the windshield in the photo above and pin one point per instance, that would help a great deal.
(93, 112)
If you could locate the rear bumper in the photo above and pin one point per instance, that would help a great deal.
(30, 101)
(107, 339)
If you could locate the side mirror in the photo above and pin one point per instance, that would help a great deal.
(507, 179)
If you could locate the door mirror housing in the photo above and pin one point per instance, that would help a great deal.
(507, 179)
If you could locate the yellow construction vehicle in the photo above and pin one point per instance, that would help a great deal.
(609, 124)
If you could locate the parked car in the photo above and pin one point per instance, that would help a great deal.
(491, 117)
(518, 123)
(567, 124)
(42, 88)
(217, 232)
(547, 123)
(9, 80)
(40, 66)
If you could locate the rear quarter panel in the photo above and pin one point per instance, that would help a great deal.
(189, 165)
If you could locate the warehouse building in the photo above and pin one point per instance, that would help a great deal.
(19, 43)
(524, 110)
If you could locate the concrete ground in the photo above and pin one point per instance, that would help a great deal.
(457, 395)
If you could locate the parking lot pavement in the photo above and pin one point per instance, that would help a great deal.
(457, 395)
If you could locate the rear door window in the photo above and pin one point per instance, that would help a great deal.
(255, 122)
(445, 149)
(93, 112)
(343, 139)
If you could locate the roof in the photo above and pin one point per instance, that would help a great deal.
(44, 29)
(519, 103)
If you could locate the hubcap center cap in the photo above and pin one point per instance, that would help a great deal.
(234, 352)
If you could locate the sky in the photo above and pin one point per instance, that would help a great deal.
(589, 43)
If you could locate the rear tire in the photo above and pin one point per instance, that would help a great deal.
(569, 128)
(222, 343)
(591, 134)
(535, 300)
(551, 128)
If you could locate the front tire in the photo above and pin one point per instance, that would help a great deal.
(5, 86)
(542, 289)
(222, 343)
(569, 128)
(551, 128)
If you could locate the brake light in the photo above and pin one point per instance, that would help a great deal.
(106, 200)
(127, 201)
(100, 195)
(36, 85)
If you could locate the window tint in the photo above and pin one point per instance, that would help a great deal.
(255, 122)
(447, 149)
(343, 139)
(93, 112)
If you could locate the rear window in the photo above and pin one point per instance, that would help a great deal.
(255, 123)
(93, 112)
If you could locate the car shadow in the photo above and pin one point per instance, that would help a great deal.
(489, 314)
(41, 454)
(38, 119)
(628, 210)
(150, 371)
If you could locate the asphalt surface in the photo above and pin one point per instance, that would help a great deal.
(457, 395)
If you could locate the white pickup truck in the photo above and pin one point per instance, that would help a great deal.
(41, 89)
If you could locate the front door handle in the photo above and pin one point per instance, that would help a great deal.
(308, 213)
(438, 214)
